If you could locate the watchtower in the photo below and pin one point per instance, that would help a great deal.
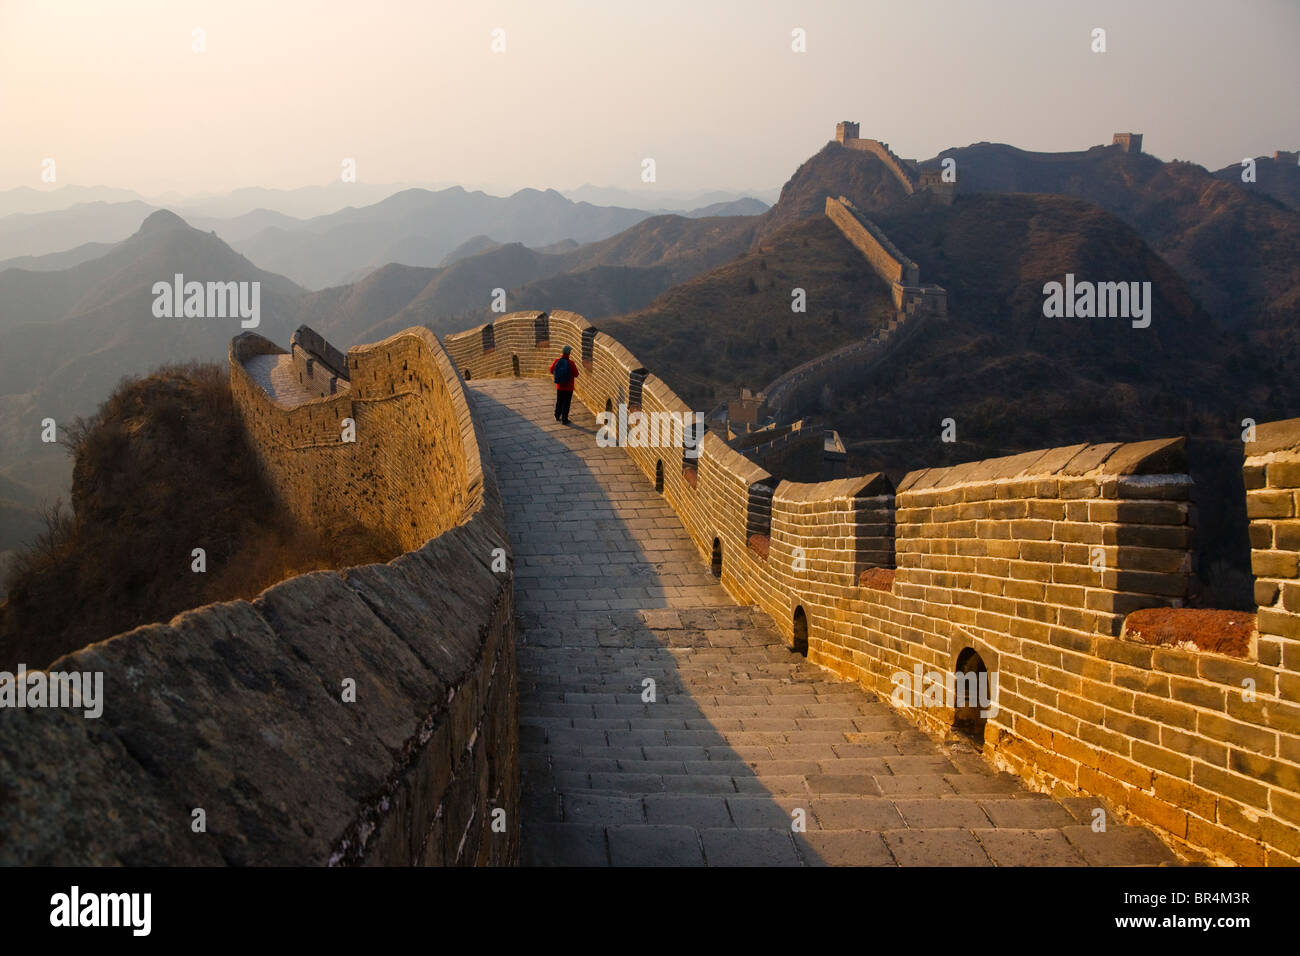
(1132, 142)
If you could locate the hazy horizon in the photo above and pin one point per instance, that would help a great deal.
(583, 92)
(651, 190)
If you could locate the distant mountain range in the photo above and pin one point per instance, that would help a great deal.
(301, 203)
(25, 200)
(415, 227)
(665, 200)
(305, 202)
(418, 227)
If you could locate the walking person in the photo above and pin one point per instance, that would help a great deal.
(565, 373)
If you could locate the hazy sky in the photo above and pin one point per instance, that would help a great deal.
(114, 92)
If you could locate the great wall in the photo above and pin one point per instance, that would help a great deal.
(915, 305)
(237, 717)
(1031, 562)
(1036, 568)
(1026, 567)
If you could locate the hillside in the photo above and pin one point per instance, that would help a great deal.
(733, 326)
(1236, 247)
(1275, 178)
(834, 170)
(609, 277)
(1024, 380)
(53, 261)
(162, 468)
(343, 312)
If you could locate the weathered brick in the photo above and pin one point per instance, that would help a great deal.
(1163, 560)
(1164, 815)
(1175, 537)
(1126, 652)
(1276, 836)
(1180, 793)
(1139, 512)
(1230, 784)
(1261, 535)
(1194, 745)
(1165, 761)
(1133, 727)
(1147, 582)
(1197, 693)
(1273, 564)
(1219, 839)
(1284, 474)
(1032, 529)
(1175, 661)
(1079, 488)
(1103, 785)
(1266, 593)
(1106, 741)
(1270, 504)
(1266, 769)
(1279, 623)
(1169, 713)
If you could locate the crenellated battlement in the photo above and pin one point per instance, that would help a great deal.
(1026, 566)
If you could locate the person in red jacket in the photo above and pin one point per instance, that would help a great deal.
(565, 372)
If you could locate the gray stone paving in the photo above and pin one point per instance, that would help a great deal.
(743, 736)
(279, 379)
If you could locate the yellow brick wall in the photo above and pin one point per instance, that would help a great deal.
(1033, 561)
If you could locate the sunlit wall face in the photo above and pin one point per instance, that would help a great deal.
(159, 95)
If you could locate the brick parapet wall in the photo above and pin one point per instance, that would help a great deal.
(885, 258)
(404, 474)
(1032, 561)
(316, 377)
(1272, 477)
(238, 708)
(900, 168)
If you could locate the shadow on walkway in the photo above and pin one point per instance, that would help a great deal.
(737, 738)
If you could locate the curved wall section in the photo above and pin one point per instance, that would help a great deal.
(410, 469)
(365, 716)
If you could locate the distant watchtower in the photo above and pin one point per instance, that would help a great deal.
(1290, 159)
(1132, 142)
(845, 131)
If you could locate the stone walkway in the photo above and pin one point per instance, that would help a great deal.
(279, 378)
(743, 737)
